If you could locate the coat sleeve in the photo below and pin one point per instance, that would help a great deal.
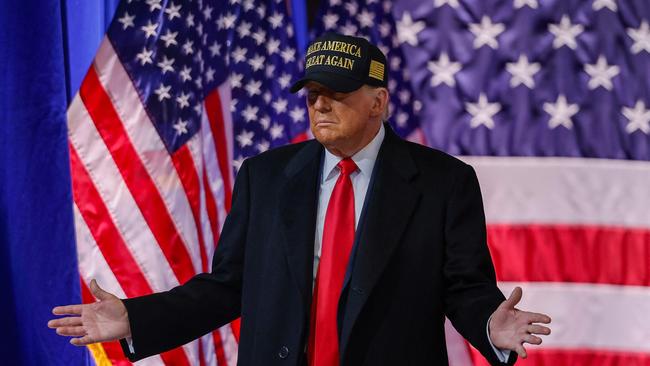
(166, 320)
(470, 282)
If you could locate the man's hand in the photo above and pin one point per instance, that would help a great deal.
(510, 327)
(104, 320)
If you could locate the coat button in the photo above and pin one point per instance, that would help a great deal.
(284, 352)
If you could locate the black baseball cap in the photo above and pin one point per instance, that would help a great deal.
(343, 64)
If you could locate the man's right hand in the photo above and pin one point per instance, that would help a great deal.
(101, 321)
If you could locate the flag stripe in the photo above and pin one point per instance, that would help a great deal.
(214, 110)
(590, 316)
(108, 239)
(573, 357)
(564, 190)
(149, 147)
(124, 212)
(136, 177)
(591, 254)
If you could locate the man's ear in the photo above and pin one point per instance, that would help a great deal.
(379, 102)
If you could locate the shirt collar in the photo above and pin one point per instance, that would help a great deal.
(364, 158)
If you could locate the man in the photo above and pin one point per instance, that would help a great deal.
(346, 250)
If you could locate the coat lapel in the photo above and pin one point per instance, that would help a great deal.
(299, 200)
(391, 204)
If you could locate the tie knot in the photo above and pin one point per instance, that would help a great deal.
(347, 166)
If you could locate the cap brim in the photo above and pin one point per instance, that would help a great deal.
(330, 80)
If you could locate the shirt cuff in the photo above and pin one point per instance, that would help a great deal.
(129, 342)
(502, 355)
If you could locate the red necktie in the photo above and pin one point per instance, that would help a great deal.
(338, 237)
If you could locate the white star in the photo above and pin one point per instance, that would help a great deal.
(261, 10)
(163, 92)
(272, 46)
(209, 74)
(601, 73)
(518, 4)
(173, 11)
(351, 7)
(169, 38)
(235, 80)
(407, 30)
(186, 73)
(638, 117)
(443, 70)
(257, 62)
(229, 20)
(366, 19)
(250, 113)
(439, 3)
(144, 57)
(276, 131)
(262, 146)
(166, 65)
(264, 122)
(404, 96)
(215, 49)
(269, 71)
(233, 105)
(330, 20)
(288, 55)
(284, 80)
(198, 82)
(335, 2)
(207, 13)
(385, 29)
(267, 97)
(401, 119)
(253, 87)
(641, 37)
(482, 112)
(248, 5)
(239, 54)
(244, 29)
(486, 32)
(154, 4)
(349, 29)
(561, 112)
(565, 33)
(609, 4)
(395, 63)
(187, 47)
(522, 72)
(198, 109)
(297, 114)
(245, 138)
(276, 20)
(126, 20)
(189, 21)
(280, 106)
(259, 36)
(183, 100)
(180, 127)
(149, 29)
(236, 163)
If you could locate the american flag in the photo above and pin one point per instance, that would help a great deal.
(549, 100)
(179, 93)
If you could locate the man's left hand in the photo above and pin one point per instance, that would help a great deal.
(510, 327)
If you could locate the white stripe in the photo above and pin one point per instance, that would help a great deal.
(590, 316)
(229, 344)
(564, 190)
(124, 211)
(148, 145)
(92, 265)
(225, 97)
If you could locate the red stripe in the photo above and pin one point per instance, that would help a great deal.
(135, 175)
(211, 208)
(300, 138)
(112, 349)
(554, 253)
(182, 160)
(108, 239)
(574, 357)
(110, 243)
(214, 109)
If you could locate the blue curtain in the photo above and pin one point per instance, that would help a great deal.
(45, 49)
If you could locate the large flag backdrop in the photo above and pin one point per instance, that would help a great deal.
(547, 99)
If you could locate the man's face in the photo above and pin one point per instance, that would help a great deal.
(342, 122)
